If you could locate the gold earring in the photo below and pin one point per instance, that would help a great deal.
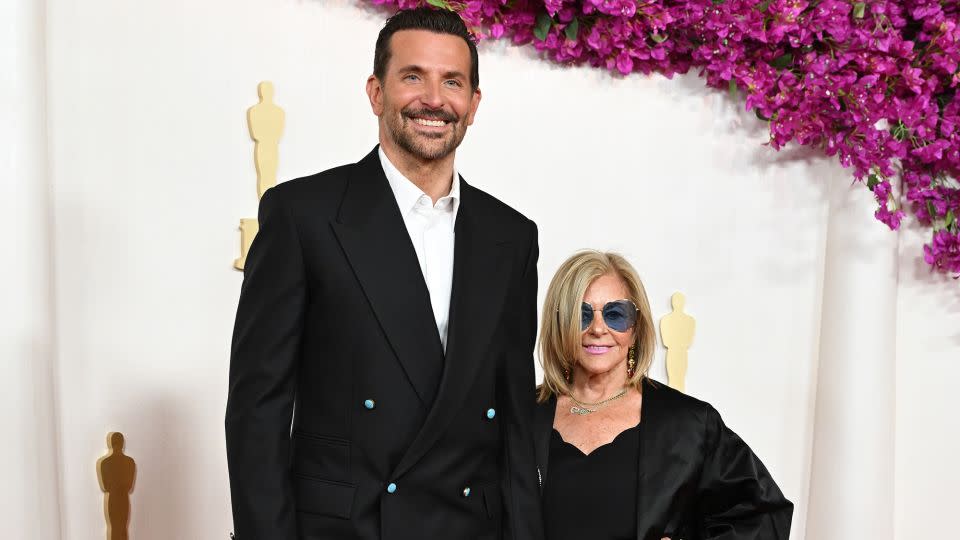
(631, 361)
(566, 374)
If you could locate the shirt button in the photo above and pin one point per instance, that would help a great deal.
(391, 488)
(491, 413)
(466, 491)
(369, 404)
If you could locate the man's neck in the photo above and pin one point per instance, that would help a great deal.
(433, 177)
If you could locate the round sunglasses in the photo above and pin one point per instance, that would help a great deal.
(618, 315)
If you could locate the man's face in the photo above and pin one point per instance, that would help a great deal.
(425, 101)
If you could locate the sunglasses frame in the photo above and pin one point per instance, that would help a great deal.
(594, 310)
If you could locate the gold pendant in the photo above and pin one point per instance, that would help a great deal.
(580, 410)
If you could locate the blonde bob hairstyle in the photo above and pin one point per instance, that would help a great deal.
(560, 335)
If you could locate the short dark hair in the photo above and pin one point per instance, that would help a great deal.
(438, 21)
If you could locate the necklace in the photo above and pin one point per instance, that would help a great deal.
(584, 408)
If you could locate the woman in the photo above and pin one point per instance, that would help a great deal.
(620, 456)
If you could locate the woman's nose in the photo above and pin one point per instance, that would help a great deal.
(597, 326)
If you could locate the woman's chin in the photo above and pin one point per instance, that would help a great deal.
(598, 365)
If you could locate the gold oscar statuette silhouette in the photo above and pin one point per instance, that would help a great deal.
(676, 331)
(116, 473)
(265, 120)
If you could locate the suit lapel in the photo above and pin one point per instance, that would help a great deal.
(650, 425)
(374, 238)
(543, 429)
(480, 279)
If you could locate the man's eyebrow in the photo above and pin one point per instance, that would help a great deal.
(411, 68)
(451, 74)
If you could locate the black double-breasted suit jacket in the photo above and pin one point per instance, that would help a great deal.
(345, 417)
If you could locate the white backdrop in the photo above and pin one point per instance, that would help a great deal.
(821, 338)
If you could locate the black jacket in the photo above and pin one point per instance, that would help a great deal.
(697, 479)
(334, 323)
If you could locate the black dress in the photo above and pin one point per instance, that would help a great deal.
(592, 496)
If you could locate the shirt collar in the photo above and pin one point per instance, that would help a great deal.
(407, 193)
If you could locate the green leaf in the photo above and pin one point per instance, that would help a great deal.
(931, 210)
(764, 5)
(943, 100)
(782, 62)
(572, 29)
(544, 22)
(951, 219)
(439, 3)
(733, 89)
(858, 10)
(718, 2)
(899, 131)
(872, 181)
(659, 38)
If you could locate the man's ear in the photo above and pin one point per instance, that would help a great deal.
(474, 103)
(375, 94)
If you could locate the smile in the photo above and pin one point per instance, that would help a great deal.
(597, 349)
(429, 123)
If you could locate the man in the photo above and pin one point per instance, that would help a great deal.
(388, 311)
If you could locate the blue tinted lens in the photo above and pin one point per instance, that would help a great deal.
(620, 315)
(586, 316)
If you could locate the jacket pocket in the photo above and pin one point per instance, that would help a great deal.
(323, 497)
(492, 500)
(317, 456)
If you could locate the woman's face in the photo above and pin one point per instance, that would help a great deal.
(603, 349)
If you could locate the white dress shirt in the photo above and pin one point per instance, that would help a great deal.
(431, 230)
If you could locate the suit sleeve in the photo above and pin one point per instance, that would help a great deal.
(263, 362)
(738, 499)
(522, 519)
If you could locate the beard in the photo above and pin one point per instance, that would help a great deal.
(426, 146)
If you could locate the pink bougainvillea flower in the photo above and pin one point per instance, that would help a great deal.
(943, 251)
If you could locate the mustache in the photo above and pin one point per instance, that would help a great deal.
(431, 115)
